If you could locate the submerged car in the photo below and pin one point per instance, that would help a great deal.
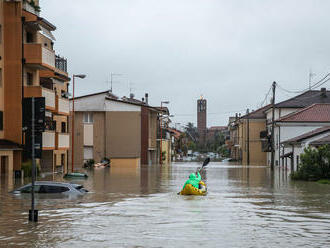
(49, 187)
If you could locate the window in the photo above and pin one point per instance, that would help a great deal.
(53, 189)
(29, 37)
(27, 189)
(1, 120)
(0, 34)
(62, 159)
(63, 127)
(29, 78)
(88, 117)
(0, 77)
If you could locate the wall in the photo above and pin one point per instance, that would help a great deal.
(144, 134)
(99, 135)
(12, 40)
(1, 65)
(123, 134)
(257, 156)
(78, 140)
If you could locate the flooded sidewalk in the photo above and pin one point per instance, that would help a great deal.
(139, 207)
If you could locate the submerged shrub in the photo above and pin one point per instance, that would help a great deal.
(27, 168)
(314, 165)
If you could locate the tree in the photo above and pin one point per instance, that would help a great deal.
(314, 165)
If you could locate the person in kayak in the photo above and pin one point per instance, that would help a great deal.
(194, 180)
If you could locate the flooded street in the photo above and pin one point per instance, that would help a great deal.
(139, 207)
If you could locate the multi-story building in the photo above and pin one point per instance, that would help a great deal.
(30, 68)
(123, 130)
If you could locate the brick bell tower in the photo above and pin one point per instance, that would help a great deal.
(201, 120)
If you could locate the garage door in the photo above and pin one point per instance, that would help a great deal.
(88, 153)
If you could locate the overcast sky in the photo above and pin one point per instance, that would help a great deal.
(176, 50)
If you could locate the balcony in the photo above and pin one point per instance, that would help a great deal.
(39, 56)
(61, 64)
(62, 141)
(29, 8)
(38, 91)
(48, 140)
(62, 106)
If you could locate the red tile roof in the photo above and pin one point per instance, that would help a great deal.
(314, 113)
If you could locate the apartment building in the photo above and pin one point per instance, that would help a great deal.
(29, 67)
(124, 130)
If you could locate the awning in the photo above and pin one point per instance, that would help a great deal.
(9, 145)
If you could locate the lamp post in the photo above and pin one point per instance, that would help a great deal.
(72, 128)
(161, 131)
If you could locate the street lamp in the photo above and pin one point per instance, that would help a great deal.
(161, 130)
(82, 76)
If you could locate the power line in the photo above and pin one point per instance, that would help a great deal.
(315, 85)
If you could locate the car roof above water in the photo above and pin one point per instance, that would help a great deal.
(54, 183)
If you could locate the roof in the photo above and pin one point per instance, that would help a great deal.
(51, 26)
(322, 141)
(175, 132)
(305, 99)
(314, 113)
(133, 100)
(257, 114)
(9, 145)
(308, 135)
(218, 128)
(110, 95)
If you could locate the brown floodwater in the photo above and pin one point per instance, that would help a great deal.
(139, 207)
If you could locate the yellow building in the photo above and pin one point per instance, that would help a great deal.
(249, 138)
(30, 68)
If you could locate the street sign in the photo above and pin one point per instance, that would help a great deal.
(37, 144)
(39, 110)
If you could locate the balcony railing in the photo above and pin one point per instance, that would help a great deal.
(63, 141)
(62, 106)
(38, 91)
(48, 140)
(61, 63)
(36, 54)
(29, 8)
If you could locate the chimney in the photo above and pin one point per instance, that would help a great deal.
(146, 97)
(131, 95)
(323, 92)
(142, 99)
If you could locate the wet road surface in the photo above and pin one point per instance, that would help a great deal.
(139, 207)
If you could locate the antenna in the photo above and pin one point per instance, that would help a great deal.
(310, 76)
(111, 79)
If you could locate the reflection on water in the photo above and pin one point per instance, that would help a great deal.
(133, 207)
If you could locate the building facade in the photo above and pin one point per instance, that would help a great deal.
(29, 67)
(124, 131)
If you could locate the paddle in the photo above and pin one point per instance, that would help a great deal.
(205, 163)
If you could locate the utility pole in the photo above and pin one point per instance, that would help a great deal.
(273, 127)
(33, 213)
(248, 136)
